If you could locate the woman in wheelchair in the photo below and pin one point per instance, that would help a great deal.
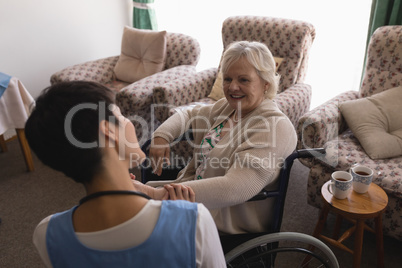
(239, 143)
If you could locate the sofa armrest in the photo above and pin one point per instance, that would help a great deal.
(324, 123)
(294, 101)
(138, 96)
(182, 91)
(100, 71)
(181, 49)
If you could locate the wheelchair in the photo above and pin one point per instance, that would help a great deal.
(273, 248)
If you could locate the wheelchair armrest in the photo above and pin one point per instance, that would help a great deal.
(264, 194)
(285, 172)
(309, 153)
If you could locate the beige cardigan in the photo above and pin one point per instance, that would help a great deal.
(246, 160)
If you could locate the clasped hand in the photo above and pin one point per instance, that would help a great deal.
(172, 191)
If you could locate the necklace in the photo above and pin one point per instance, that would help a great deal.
(236, 120)
(116, 192)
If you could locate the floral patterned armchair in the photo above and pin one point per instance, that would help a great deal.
(325, 127)
(287, 39)
(135, 99)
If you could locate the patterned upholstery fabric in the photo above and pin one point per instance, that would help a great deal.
(287, 39)
(135, 100)
(325, 127)
(100, 71)
(183, 91)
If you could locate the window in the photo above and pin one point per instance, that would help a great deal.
(336, 57)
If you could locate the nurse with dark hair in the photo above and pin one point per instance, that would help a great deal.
(77, 129)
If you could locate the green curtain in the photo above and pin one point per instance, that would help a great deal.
(144, 15)
(383, 12)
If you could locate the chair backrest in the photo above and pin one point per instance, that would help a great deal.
(181, 49)
(384, 61)
(286, 38)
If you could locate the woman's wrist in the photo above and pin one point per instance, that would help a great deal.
(160, 193)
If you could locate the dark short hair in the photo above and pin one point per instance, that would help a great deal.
(64, 114)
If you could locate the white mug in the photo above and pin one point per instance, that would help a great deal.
(341, 184)
(362, 177)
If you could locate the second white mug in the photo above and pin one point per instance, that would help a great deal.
(341, 184)
(362, 177)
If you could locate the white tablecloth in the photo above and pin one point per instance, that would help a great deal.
(15, 106)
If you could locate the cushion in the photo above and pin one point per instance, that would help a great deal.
(142, 54)
(376, 121)
(217, 91)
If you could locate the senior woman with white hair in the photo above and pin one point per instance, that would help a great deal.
(239, 142)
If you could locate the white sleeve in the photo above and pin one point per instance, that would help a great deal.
(39, 240)
(209, 251)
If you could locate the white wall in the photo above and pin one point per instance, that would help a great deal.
(41, 37)
(336, 57)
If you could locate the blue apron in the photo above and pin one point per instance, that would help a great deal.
(171, 244)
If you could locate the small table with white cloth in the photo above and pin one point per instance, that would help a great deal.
(15, 104)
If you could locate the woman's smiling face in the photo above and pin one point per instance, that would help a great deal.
(243, 87)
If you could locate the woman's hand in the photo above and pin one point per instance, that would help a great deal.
(159, 154)
(154, 193)
(180, 192)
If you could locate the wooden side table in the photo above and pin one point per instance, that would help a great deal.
(357, 208)
(26, 151)
(15, 104)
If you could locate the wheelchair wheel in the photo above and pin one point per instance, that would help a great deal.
(287, 249)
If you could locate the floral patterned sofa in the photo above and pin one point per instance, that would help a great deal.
(287, 39)
(325, 127)
(135, 99)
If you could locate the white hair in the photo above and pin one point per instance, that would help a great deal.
(259, 56)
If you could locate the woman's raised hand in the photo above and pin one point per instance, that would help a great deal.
(159, 154)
